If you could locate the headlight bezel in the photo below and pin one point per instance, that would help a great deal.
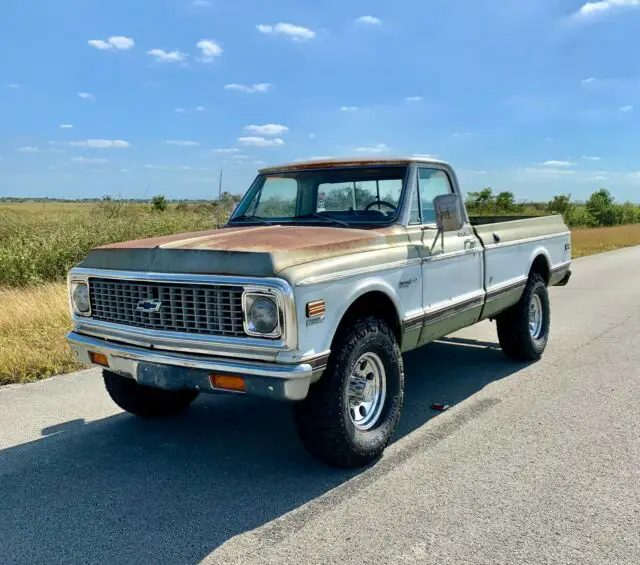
(73, 286)
(249, 296)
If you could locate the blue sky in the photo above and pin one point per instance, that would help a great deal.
(138, 97)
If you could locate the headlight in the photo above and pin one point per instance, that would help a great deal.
(261, 316)
(80, 298)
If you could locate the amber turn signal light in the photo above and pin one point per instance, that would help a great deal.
(316, 308)
(99, 359)
(228, 382)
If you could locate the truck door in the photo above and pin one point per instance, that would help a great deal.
(452, 273)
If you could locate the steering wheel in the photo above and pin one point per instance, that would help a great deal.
(380, 203)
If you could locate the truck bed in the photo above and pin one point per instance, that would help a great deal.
(483, 220)
(496, 230)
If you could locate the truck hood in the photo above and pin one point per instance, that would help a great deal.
(260, 251)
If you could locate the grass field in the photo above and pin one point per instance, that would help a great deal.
(596, 240)
(38, 245)
(33, 323)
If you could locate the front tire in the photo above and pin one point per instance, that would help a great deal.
(145, 401)
(523, 329)
(351, 413)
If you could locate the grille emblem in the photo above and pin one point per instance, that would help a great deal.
(149, 305)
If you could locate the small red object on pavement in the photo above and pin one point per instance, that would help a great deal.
(440, 407)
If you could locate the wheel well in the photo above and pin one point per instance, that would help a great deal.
(376, 304)
(541, 267)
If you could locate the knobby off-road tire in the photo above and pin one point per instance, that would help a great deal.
(522, 337)
(324, 420)
(145, 401)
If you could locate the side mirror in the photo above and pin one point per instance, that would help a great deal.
(449, 216)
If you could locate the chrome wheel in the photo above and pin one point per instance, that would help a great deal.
(535, 317)
(366, 391)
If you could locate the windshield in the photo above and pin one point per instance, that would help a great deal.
(338, 196)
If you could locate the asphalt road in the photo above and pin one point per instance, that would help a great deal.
(532, 464)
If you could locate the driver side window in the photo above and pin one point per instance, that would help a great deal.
(431, 183)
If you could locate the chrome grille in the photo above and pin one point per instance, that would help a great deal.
(188, 308)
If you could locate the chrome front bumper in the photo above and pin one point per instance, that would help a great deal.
(173, 371)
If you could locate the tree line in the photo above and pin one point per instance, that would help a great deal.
(601, 209)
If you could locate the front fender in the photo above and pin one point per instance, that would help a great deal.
(402, 286)
(359, 290)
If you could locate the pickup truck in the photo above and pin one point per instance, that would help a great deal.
(324, 275)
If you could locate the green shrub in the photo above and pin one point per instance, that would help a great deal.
(579, 217)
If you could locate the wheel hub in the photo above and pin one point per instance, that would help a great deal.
(535, 317)
(366, 391)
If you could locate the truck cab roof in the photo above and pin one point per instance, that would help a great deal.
(349, 162)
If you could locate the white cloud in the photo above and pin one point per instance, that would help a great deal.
(546, 171)
(260, 87)
(180, 111)
(312, 135)
(99, 44)
(182, 143)
(101, 143)
(591, 9)
(259, 162)
(297, 33)
(89, 160)
(118, 42)
(267, 129)
(210, 49)
(626, 108)
(86, 96)
(163, 56)
(588, 80)
(554, 163)
(241, 157)
(157, 167)
(225, 150)
(200, 108)
(13, 86)
(313, 158)
(66, 126)
(201, 3)
(413, 99)
(255, 141)
(424, 156)
(590, 158)
(371, 20)
(349, 108)
(377, 148)
(35, 149)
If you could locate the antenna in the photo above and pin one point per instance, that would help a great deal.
(219, 198)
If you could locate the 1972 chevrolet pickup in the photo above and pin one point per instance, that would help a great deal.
(326, 272)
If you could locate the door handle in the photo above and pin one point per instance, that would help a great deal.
(470, 243)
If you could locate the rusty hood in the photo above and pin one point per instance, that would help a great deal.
(261, 251)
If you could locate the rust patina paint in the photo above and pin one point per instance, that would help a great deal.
(249, 251)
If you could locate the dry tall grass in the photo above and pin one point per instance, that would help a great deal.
(597, 240)
(40, 243)
(33, 323)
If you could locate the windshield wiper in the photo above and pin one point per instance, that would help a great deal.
(325, 218)
(251, 218)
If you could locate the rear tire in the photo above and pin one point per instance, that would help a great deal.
(144, 401)
(523, 329)
(351, 413)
